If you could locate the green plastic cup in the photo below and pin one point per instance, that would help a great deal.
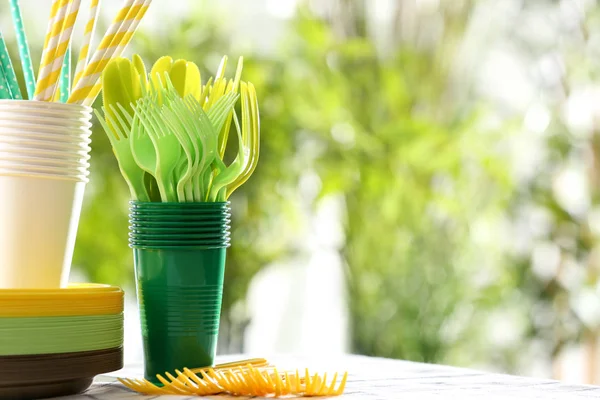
(179, 279)
(179, 294)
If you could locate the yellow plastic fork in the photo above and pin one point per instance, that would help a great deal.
(251, 130)
(244, 378)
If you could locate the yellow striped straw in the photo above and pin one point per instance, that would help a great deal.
(105, 43)
(52, 37)
(51, 65)
(87, 40)
(51, 19)
(113, 44)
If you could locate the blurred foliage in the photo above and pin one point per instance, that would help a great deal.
(390, 130)
(413, 168)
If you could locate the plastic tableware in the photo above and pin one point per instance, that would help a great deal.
(121, 142)
(43, 141)
(176, 222)
(44, 128)
(47, 335)
(44, 144)
(40, 159)
(44, 105)
(176, 231)
(224, 242)
(39, 226)
(200, 218)
(59, 366)
(184, 207)
(27, 173)
(75, 299)
(179, 294)
(46, 169)
(180, 246)
(10, 118)
(210, 235)
(168, 150)
(74, 155)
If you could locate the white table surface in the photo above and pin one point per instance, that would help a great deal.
(377, 378)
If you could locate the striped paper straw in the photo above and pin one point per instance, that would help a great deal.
(26, 63)
(4, 90)
(62, 31)
(9, 72)
(104, 43)
(89, 85)
(51, 19)
(55, 23)
(87, 40)
(62, 92)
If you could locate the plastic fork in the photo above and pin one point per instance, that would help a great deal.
(242, 163)
(132, 173)
(252, 140)
(166, 144)
(247, 380)
(217, 115)
(182, 128)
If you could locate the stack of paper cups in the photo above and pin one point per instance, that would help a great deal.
(44, 167)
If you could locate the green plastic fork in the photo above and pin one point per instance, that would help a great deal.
(133, 175)
(167, 147)
(180, 125)
(217, 116)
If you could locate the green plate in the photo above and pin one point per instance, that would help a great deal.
(47, 335)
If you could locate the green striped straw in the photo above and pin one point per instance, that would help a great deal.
(4, 91)
(65, 77)
(17, 17)
(9, 72)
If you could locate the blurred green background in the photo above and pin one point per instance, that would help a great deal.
(460, 138)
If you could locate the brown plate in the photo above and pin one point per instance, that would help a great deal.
(36, 390)
(51, 375)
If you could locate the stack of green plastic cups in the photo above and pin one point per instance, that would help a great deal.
(179, 255)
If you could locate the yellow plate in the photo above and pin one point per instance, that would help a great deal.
(76, 299)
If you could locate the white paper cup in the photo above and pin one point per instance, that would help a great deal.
(38, 230)
(40, 139)
(46, 106)
(46, 167)
(64, 130)
(43, 163)
(24, 172)
(44, 150)
(44, 120)
(63, 155)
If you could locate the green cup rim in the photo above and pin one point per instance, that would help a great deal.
(201, 216)
(200, 222)
(209, 229)
(177, 224)
(175, 247)
(178, 205)
(179, 212)
(186, 243)
(183, 236)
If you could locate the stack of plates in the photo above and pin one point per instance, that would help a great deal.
(53, 342)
